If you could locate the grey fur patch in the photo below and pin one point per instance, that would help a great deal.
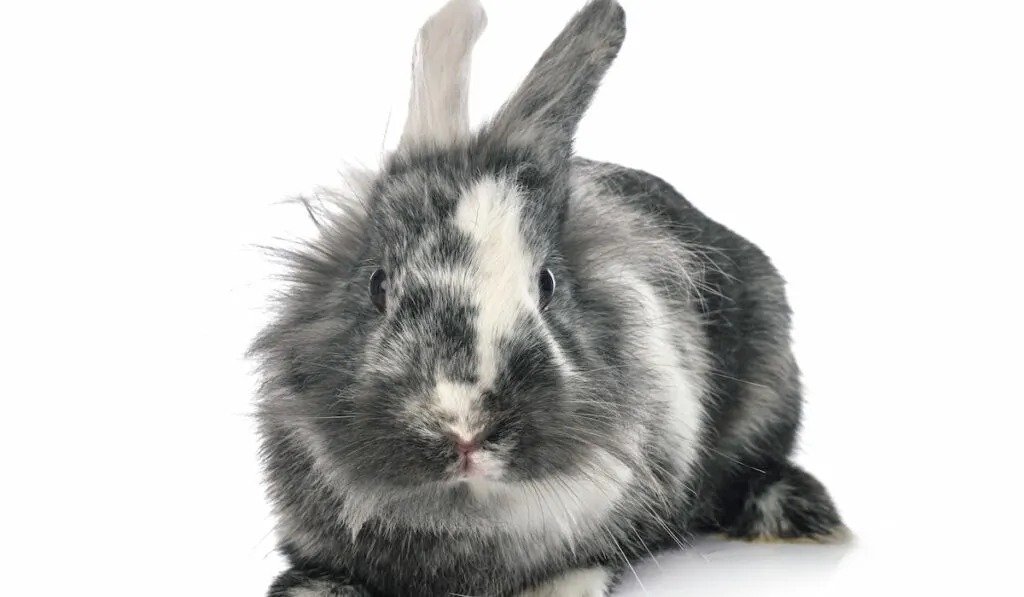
(546, 108)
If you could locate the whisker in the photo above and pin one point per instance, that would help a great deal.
(627, 562)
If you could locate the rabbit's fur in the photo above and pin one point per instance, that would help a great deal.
(651, 395)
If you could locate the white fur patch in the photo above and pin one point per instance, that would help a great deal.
(461, 403)
(505, 272)
(487, 466)
(316, 589)
(543, 514)
(679, 386)
(505, 281)
(565, 506)
(589, 582)
(772, 521)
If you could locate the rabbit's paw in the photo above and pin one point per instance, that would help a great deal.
(295, 583)
(786, 505)
(589, 582)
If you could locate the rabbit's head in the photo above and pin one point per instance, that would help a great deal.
(436, 343)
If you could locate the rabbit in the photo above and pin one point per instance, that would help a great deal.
(501, 369)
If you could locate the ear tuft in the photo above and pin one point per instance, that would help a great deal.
(439, 95)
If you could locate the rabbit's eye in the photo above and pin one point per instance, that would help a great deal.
(547, 287)
(379, 290)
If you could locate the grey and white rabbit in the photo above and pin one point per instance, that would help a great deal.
(505, 370)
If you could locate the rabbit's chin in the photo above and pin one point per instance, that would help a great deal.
(480, 504)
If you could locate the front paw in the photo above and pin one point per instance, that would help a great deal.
(589, 582)
(297, 584)
(329, 590)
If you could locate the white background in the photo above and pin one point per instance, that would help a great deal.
(873, 149)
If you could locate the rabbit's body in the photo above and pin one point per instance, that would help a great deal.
(570, 368)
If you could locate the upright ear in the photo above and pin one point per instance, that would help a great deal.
(439, 96)
(548, 106)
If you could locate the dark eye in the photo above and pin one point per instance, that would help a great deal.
(547, 287)
(379, 290)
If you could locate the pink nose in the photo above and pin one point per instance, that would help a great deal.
(464, 446)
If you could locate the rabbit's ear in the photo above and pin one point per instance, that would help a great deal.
(548, 106)
(439, 95)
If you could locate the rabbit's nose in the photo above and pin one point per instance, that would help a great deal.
(465, 446)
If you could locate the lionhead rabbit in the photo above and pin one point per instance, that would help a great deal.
(504, 370)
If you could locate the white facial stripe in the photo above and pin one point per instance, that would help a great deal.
(501, 284)
(489, 214)
(461, 281)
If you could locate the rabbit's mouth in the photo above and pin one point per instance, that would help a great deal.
(483, 502)
(478, 461)
(477, 466)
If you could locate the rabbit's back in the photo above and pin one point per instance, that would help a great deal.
(729, 318)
